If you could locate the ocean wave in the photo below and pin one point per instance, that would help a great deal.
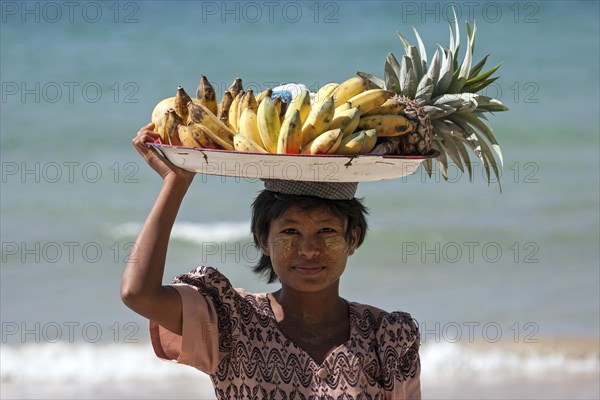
(496, 361)
(95, 363)
(193, 232)
(85, 363)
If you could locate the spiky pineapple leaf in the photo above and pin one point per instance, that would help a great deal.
(424, 90)
(460, 76)
(427, 83)
(489, 160)
(468, 28)
(454, 42)
(413, 54)
(439, 111)
(493, 108)
(461, 143)
(428, 165)
(457, 28)
(472, 118)
(478, 67)
(403, 74)
(472, 34)
(434, 68)
(483, 151)
(476, 87)
(449, 147)
(460, 101)
(445, 76)
(457, 40)
(465, 156)
(442, 160)
(417, 65)
(374, 81)
(469, 140)
(465, 67)
(393, 61)
(483, 76)
(405, 43)
(422, 50)
(489, 104)
(391, 73)
(408, 79)
(451, 44)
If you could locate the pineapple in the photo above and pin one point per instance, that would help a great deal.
(441, 101)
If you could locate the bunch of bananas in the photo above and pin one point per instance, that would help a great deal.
(346, 118)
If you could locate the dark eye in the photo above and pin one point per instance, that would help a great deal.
(289, 231)
(327, 230)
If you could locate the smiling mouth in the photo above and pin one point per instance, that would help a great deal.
(309, 270)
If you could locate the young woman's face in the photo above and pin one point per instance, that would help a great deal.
(308, 249)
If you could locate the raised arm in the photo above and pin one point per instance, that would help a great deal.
(142, 289)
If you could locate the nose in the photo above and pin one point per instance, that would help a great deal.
(309, 247)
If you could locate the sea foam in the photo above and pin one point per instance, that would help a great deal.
(96, 363)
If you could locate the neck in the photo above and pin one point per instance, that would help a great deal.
(311, 307)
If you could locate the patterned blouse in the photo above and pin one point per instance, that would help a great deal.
(233, 336)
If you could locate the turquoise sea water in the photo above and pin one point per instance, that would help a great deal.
(470, 263)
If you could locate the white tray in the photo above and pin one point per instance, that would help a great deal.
(319, 168)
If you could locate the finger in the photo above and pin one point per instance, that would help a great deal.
(148, 128)
(143, 137)
(146, 134)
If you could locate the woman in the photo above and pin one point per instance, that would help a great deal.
(301, 342)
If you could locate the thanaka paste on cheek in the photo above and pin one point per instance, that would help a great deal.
(336, 244)
(285, 245)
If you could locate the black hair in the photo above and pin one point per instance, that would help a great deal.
(270, 205)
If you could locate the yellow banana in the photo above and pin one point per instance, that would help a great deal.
(269, 124)
(160, 127)
(326, 143)
(277, 101)
(172, 122)
(248, 101)
(186, 138)
(283, 109)
(245, 144)
(240, 108)
(192, 136)
(346, 120)
(391, 106)
(181, 100)
(352, 144)
(343, 107)
(300, 103)
(371, 140)
(325, 91)
(207, 95)
(219, 142)
(386, 125)
(223, 112)
(233, 110)
(369, 99)
(202, 115)
(158, 114)
(265, 93)
(248, 126)
(348, 89)
(236, 87)
(318, 120)
(290, 134)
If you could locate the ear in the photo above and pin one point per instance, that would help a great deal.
(263, 246)
(354, 240)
